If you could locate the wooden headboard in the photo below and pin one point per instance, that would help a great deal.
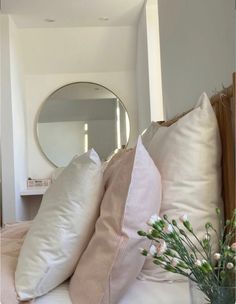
(224, 106)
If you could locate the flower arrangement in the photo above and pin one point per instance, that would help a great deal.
(178, 249)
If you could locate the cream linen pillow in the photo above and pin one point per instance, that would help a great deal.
(62, 228)
(112, 260)
(188, 155)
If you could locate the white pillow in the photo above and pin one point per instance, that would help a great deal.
(62, 228)
(188, 156)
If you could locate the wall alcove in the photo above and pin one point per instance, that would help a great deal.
(121, 53)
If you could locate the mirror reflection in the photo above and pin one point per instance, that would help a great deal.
(78, 117)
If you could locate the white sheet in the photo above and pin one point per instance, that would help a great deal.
(142, 292)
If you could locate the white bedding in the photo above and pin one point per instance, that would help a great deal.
(141, 292)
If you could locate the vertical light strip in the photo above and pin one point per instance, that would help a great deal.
(118, 123)
(127, 127)
(85, 137)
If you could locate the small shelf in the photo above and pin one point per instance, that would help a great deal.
(33, 191)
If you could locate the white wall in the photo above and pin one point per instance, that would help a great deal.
(13, 133)
(197, 50)
(54, 57)
(78, 50)
(148, 73)
(19, 121)
(143, 94)
(8, 186)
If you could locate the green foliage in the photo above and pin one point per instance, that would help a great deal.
(179, 250)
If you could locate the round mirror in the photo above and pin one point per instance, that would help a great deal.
(78, 117)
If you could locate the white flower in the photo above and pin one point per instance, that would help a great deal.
(150, 231)
(230, 265)
(183, 218)
(168, 228)
(207, 237)
(153, 219)
(233, 246)
(153, 250)
(174, 262)
(217, 256)
(204, 261)
(198, 263)
(161, 247)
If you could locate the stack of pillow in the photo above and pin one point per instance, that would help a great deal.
(87, 224)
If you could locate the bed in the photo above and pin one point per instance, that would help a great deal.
(166, 292)
(141, 292)
(146, 291)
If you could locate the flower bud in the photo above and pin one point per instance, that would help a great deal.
(153, 219)
(230, 266)
(183, 218)
(217, 256)
(141, 233)
(188, 226)
(170, 268)
(158, 227)
(174, 223)
(155, 233)
(208, 225)
(143, 251)
(183, 265)
(198, 263)
(174, 262)
(161, 247)
(153, 250)
(182, 232)
(206, 266)
(233, 246)
(170, 253)
(168, 228)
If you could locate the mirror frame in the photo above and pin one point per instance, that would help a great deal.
(36, 131)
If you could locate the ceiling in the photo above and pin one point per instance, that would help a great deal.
(73, 13)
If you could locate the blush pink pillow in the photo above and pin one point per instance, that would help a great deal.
(112, 260)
